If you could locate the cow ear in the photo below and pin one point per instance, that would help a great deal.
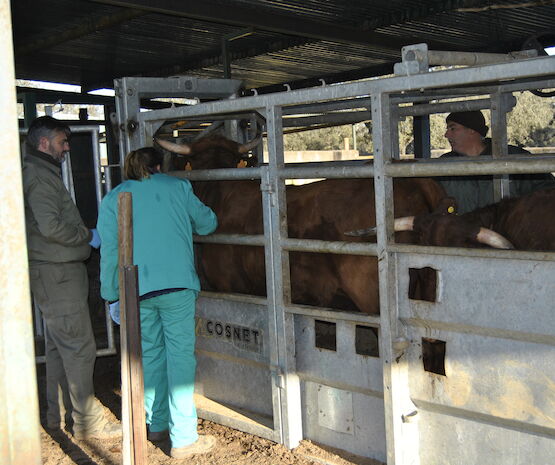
(242, 164)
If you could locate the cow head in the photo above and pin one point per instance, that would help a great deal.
(443, 228)
(212, 152)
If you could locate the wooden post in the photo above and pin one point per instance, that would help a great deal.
(132, 389)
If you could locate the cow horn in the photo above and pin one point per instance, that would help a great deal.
(182, 149)
(405, 223)
(493, 239)
(245, 148)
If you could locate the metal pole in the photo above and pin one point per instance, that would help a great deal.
(402, 440)
(279, 288)
(19, 412)
(499, 142)
(448, 58)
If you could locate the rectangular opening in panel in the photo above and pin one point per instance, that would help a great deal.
(423, 284)
(366, 341)
(325, 335)
(433, 355)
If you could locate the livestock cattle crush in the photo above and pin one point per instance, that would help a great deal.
(467, 378)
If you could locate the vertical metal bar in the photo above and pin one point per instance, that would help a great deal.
(19, 412)
(499, 142)
(287, 405)
(402, 440)
(421, 131)
(128, 107)
(96, 164)
(67, 177)
(108, 177)
(226, 63)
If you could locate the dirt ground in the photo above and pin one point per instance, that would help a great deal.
(233, 447)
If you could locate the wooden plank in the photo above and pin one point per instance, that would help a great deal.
(136, 382)
(133, 419)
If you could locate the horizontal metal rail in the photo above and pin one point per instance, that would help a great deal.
(226, 174)
(322, 313)
(331, 314)
(294, 245)
(543, 66)
(232, 239)
(333, 247)
(328, 172)
(483, 165)
(445, 107)
(471, 252)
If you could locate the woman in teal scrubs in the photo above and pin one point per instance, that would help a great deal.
(166, 214)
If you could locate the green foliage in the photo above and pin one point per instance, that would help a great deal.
(531, 123)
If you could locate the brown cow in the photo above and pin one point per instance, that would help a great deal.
(526, 222)
(320, 210)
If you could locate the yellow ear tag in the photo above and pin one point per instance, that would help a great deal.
(451, 210)
(188, 166)
(242, 164)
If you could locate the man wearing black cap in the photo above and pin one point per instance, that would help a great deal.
(466, 132)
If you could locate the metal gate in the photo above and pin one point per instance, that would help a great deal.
(261, 369)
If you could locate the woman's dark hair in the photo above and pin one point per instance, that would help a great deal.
(141, 163)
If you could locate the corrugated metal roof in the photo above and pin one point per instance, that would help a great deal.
(91, 42)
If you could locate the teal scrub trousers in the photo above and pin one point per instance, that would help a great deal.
(168, 344)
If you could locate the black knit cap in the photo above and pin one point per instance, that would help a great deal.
(470, 119)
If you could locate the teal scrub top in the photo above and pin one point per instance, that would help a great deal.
(166, 214)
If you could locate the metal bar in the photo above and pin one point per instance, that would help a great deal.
(323, 107)
(97, 172)
(509, 165)
(499, 108)
(544, 66)
(294, 245)
(444, 107)
(67, 177)
(232, 239)
(401, 441)
(449, 58)
(484, 89)
(108, 177)
(464, 252)
(127, 108)
(288, 403)
(340, 118)
(329, 172)
(333, 247)
(19, 410)
(218, 174)
(317, 171)
(334, 314)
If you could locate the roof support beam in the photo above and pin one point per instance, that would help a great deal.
(87, 27)
(238, 15)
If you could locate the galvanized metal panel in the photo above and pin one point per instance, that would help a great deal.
(367, 435)
(496, 402)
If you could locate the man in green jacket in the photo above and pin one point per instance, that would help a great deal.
(466, 132)
(58, 242)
